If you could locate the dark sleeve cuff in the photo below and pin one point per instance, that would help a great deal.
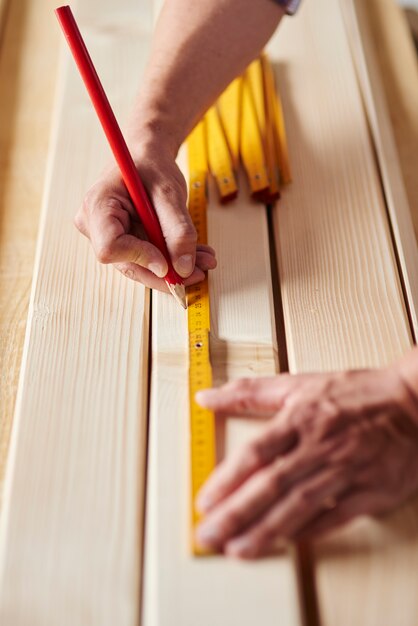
(290, 6)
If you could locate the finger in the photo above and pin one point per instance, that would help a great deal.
(234, 512)
(147, 278)
(205, 261)
(111, 243)
(289, 515)
(359, 502)
(202, 247)
(205, 255)
(80, 224)
(244, 506)
(248, 396)
(169, 199)
(273, 441)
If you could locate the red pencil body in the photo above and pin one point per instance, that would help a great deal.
(115, 138)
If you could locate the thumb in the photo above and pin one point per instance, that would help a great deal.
(169, 197)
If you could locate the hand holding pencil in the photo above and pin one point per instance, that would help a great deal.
(117, 211)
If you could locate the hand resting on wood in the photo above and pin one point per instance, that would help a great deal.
(335, 446)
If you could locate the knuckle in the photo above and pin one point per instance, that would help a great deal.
(255, 453)
(265, 537)
(242, 385)
(128, 272)
(305, 418)
(95, 200)
(231, 522)
(304, 498)
(110, 204)
(104, 253)
(273, 485)
(183, 230)
(171, 190)
(139, 257)
(242, 390)
(91, 200)
(79, 221)
(86, 204)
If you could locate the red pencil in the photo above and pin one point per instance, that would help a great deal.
(119, 148)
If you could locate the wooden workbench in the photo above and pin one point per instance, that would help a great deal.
(28, 58)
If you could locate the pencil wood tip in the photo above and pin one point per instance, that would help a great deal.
(179, 292)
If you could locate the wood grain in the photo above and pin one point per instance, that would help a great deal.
(71, 527)
(25, 119)
(342, 299)
(371, 84)
(23, 122)
(398, 62)
(3, 12)
(181, 589)
(343, 304)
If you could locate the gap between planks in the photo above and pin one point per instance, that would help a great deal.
(180, 588)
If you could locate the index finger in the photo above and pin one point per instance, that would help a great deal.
(248, 396)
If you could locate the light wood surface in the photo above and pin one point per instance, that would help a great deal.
(25, 120)
(396, 197)
(398, 63)
(342, 300)
(3, 9)
(71, 525)
(180, 589)
(352, 567)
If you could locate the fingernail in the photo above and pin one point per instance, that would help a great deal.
(203, 503)
(157, 269)
(204, 397)
(184, 265)
(207, 536)
(209, 264)
(241, 548)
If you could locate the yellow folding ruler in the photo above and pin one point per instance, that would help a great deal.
(229, 107)
(251, 145)
(247, 124)
(219, 156)
(202, 421)
(276, 122)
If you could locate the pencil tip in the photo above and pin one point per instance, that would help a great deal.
(179, 292)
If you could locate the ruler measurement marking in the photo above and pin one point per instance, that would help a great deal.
(261, 156)
(202, 421)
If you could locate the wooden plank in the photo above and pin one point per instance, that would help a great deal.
(368, 72)
(342, 299)
(25, 118)
(71, 527)
(3, 11)
(17, 268)
(398, 62)
(179, 588)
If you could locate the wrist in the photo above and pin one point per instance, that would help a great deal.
(154, 129)
(147, 145)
